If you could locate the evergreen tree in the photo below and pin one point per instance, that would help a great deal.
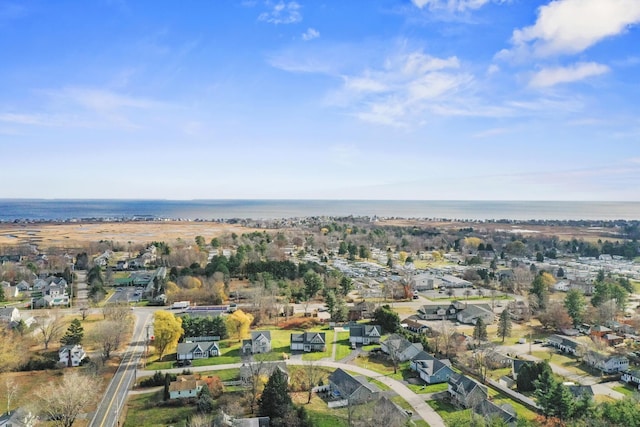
(504, 325)
(563, 401)
(575, 305)
(2, 296)
(540, 289)
(545, 384)
(275, 401)
(167, 382)
(205, 402)
(480, 330)
(387, 318)
(74, 333)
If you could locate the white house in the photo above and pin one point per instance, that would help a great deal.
(71, 355)
(260, 342)
(401, 348)
(185, 387)
(608, 364)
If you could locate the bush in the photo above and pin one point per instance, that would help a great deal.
(39, 363)
(156, 380)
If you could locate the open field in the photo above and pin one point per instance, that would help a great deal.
(72, 235)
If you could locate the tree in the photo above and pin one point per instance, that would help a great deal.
(563, 401)
(63, 401)
(74, 334)
(313, 374)
(275, 401)
(576, 305)
(480, 330)
(330, 300)
(238, 324)
(13, 350)
(312, 283)
(49, 327)
(504, 325)
(387, 318)
(107, 336)
(167, 329)
(540, 289)
(2, 296)
(11, 390)
(555, 317)
(205, 403)
(346, 285)
(544, 386)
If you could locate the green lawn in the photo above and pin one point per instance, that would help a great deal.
(343, 348)
(626, 390)
(143, 410)
(427, 388)
(451, 414)
(523, 412)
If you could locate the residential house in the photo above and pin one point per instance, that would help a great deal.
(384, 413)
(579, 391)
(260, 342)
(185, 386)
(71, 355)
(401, 348)
(414, 326)
(608, 364)
(613, 339)
(564, 343)
(430, 369)
(466, 392)
(507, 381)
(473, 312)
(562, 286)
(437, 312)
(197, 350)
(599, 331)
(355, 390)
(308, 341)
(361, 310)
(365, 334)
(490, 410)
(631, 376)
(584, 328)
(10, 315)
(23, 286)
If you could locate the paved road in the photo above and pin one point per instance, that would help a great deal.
(416, 401)
(115, 396)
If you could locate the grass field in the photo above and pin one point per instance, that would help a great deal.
(343, 348)
(626, 390)
(523, 412)
(427, 388)
(144, 410)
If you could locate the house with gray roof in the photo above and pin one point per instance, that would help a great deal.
(631, 376)
(308, 341)
(260, 342)
(355, 390)
(430, 369)
(606, 363)
(400, 348)
(490, 410)
(466, 392)
(197, 350)
(516, 365)
(437, 312)
(473, 312)
(564, 343)
(365, 334)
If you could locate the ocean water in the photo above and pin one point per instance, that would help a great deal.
(60, 210)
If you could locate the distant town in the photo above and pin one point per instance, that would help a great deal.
(319, 321)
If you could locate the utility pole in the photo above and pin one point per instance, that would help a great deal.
(146, 348)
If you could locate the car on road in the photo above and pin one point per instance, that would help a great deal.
(119, 290)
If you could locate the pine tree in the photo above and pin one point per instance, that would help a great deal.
(2, 296)
(504, 325)
(275, 402)
(480, 330)
(545, 384)
(74, 333)
(205, 402)
(563, 402)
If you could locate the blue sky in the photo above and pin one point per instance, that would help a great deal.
(360, 99)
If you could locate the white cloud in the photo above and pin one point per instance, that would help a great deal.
(572, 26)
(310, 34)
(102, 100)
(453, 5)
(552, 76)
(282, 13)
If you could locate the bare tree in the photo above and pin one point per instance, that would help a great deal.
(253, 374)
(392, 345)
(11, 389)
(62, 402)
(49, 327)
(119, 312)
(108, 336)
(313, 374)
(201, 420)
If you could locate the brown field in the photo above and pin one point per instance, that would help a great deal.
(78, 234)
(71, 235)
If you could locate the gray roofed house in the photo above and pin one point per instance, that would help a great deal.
(430, 369)
(197, 350)
(579, 391)
(437, 312)
(403, 349)
(631, 376)
(564, 343)
(490, 410)
(414, 326)
(365, 334)
(308, 341)
(473, 312)
(606, 363)
(355, 389)
(260, 342)
(466, 392)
